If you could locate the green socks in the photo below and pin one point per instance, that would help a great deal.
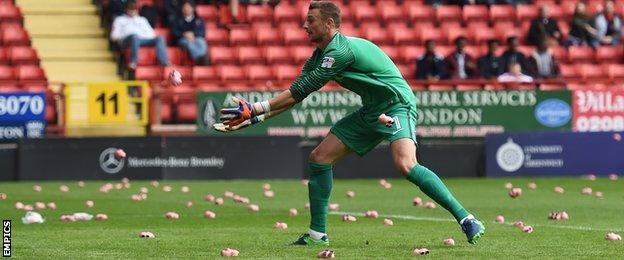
(319, 191)
(430, 184)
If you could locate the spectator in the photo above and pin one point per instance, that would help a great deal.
(543, 27)
(542, 63)
(431, 65)
(459, 64)
(512, 54)
(490, 66)
(173, 9)
(189, 31)
(580, 30)
(514, 75)
(133, 31)
(608, 26)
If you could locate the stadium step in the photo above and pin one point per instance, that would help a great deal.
(82, 71)
(69, 40)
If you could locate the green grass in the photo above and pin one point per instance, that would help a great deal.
(192, 236)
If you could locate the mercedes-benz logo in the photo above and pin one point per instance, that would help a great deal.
(109, 163)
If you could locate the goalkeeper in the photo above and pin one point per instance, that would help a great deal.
(360, 66)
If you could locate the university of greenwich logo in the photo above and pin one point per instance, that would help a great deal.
(109, 163)
(510, 156)
(208, 113)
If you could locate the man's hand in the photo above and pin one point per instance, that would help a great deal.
(237, 115)
(225, 128)
(189, 36)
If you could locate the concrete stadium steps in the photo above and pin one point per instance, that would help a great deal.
(69, 40)
(80, 70)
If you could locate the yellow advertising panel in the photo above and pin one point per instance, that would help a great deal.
(108, 103)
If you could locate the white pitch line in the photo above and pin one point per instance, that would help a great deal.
(408, 217)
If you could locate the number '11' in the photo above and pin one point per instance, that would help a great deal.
(113, 98)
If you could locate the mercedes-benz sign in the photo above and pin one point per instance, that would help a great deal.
(109, 163)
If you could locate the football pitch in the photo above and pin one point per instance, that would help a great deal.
(194, 237)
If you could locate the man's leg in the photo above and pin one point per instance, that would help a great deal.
(330, 150)
(188, 46)
(404, 156)
(134, 44)
(161, 49)
(201, 48)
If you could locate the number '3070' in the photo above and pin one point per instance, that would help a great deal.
(21, 105)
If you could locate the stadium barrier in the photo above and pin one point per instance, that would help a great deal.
(8, 171)
(159, 157)
(554, 154)
(447, 158)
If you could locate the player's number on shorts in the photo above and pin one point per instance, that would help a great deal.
(112, 99)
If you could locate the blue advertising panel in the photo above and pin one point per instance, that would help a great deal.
(22, 115)
(554, 154)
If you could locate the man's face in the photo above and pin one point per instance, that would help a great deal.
(460, 44)
(430, 46)
(544, 12)
(514, 44)
(187, 9)
(132, 12)
(609, 8)
(315, 26)
(492, 47)
(515, 69)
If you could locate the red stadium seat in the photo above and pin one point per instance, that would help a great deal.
(268, 36)
(241, 36)
(376, 34)
(569, 72)
(217, 36)
(250, 55)
(363, 12)
(301, 53)
(204, 73)
(609, 54)
(474, 51)
(440, 87)
(4, 56)
(501, 13)
(225, 14)
(444, 50)
(176, 57)
(165, 33)
(482, 35)
(473, 13)
(257, 13)
(504, 34)
(390, 12)
(591, 72)
(448, 13)
(392, 52)
(453, 33)
(15, 36)
(350, 30)
(187, 111)
(30, 72)
(420, 13)
(276, 54)
(285, 13)
(402, 35)
(295, 36)
(209, 87)
(10, 13)
(406, 71)
(468, 87)
(615, 72)
(548, 87)
(6, 73)
(580, 54)
(151, 73)
(9, 88)
(286, 72)
(147, 56)
(557, 12)
(209, 13)
(258, 72)
(230, 72)
(222, 55)
(505, 25)
(237, 86)
(526, 12)
(23, 55)
(560, 54)
(428, 34)
(410, 54)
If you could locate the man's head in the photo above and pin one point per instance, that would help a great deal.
(609, 7)
(460, 43)
(430, 46)
(515, 68)
(542, 45)
(492, 46)
(322, 21)
(544, 12)
(132, 9)
(579, 9)
(187, 9)
(513, 43)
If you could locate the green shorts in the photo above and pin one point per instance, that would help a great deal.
(361, 132)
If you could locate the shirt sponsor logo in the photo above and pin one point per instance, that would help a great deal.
(328, 62)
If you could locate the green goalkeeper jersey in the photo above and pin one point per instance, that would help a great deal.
(357, 65)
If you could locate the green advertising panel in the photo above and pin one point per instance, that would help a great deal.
(440, 113)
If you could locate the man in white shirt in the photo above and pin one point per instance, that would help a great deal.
(133, 31)
(514, 75)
